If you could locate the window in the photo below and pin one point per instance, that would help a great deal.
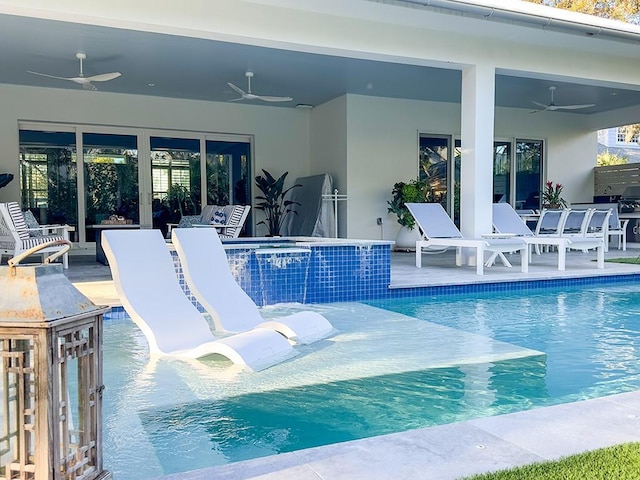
(521, 174)
(622, 136)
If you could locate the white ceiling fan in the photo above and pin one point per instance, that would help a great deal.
(552, 106)
(252, 96)
(81, 79)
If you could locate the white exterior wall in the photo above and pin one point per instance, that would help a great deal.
(329, 149)
(383, 150)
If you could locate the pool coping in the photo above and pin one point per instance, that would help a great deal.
(453, 450)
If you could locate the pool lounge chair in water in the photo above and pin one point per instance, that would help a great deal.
(145, 279)
(207, 273)
(507, 220)
(440, 231)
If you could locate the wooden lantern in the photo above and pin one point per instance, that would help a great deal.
(50, 377)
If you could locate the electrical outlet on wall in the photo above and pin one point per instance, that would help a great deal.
(379, 220)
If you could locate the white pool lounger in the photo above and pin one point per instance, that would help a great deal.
(207, 273)
(146, 282)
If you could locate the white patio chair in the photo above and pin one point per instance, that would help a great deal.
(227, 220)
(207, 273)
(617, 228)
(146, 282)
(506, 220)
(16, 237)
(549, 224)
(440, 231)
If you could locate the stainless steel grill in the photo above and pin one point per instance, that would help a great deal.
(630, 200)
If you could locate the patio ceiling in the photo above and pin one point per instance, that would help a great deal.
(198, 69)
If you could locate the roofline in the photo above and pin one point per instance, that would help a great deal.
(531, 15)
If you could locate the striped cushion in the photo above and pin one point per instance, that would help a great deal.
(234, 215)
(19, 224)
(31, 242)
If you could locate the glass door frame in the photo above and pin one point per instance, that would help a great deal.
(143, 136)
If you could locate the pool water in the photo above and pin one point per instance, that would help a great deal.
(395, 365)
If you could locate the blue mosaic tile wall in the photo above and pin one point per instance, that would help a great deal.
(314, 274)
(434, 291)
(515, 286)
(348, 273)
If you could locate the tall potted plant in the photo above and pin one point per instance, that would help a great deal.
(414, 191)
(272, 201)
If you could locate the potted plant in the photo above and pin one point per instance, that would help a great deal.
(551, 196)
(414, 191)
(272, 201)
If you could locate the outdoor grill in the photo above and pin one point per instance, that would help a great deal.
(630, 200)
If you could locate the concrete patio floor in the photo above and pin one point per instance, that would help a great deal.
(447, 451)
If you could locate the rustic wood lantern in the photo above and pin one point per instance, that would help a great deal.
(50, 377)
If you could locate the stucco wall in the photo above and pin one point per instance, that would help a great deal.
(383, 149)
(329, 148)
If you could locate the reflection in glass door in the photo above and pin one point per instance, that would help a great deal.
(48, 176)
(501, 172)
(110, 178)
(175, 178)
(228, 174)
(528, 173)
(434, 165)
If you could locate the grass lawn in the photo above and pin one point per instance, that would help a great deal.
(621, 462)
(632, 260)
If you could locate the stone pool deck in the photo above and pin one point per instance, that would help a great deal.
(449, 452)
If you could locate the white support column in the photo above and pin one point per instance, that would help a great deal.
(477, 127)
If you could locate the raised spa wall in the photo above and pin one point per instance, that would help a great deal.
(306, 269)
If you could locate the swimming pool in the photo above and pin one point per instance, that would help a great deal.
(395, 365)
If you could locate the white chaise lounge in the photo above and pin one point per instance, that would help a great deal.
(207, 273)
(507, 220)
(440, 231)
(146, 282)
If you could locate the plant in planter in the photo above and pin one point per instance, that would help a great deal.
(551, 196)
(415, 191)
(180, 202)
(272, 201)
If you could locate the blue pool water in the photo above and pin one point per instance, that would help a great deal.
(464, 357)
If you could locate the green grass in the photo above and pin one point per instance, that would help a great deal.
(621, 462)
(631, 260)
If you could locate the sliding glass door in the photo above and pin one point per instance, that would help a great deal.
(528, 170)
(110, 178)
(175, 179)
(228, 170)
(48, 176)
(86, 174)
(516, 179)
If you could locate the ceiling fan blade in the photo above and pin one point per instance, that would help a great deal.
(273, 99)
(103, 77)
(237, 89)
(50, 76)
(574, 107)
(539, 104)
(237, 99)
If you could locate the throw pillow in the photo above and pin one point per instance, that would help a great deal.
(219, 218)
(31, 222)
